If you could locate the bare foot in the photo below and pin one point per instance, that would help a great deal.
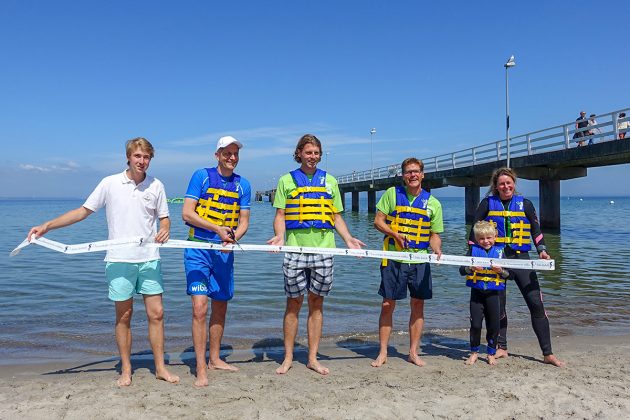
(501, 353)
(492, 360)
(124, 379)
(165, 375)
(284, 367)
(553, 360)
(472, 358)
(318, 368)
(379, 361)
(413, 358)
(202, 378)
(221, 365)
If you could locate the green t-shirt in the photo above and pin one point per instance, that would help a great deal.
(387, 204)
(313, 237)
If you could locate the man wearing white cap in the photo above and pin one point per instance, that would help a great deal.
(216, 208)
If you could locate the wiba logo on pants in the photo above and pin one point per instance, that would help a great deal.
(198, 287)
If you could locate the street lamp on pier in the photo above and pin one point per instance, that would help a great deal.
(372, 132)
(507, 65)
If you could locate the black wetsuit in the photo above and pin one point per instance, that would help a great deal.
(526, 280)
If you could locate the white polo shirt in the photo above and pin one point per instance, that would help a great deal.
(131, 210)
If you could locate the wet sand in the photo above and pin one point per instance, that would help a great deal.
(595, 383)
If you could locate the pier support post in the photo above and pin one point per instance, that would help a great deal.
(371, 201)
(549, 193)
(355, 201)
(471, 199)
(272, 196)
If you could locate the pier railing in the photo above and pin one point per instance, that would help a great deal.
(541, 141)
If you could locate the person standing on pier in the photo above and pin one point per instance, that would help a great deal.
(308, 211)
(623, 125)
(593, 130)
(515, 219)
(134, 203)
(581, 123)
(216, 207)
(411, 220)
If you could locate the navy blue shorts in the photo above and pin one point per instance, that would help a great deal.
(397, 277)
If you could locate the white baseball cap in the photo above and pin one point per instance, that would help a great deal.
(225, 141)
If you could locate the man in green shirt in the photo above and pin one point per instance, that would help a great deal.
(411, 219)
(308, 210)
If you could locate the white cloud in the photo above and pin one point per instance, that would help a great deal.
(29, 167)
(69, 166)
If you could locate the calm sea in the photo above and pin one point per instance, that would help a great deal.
(55, 306)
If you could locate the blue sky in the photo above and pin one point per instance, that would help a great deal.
(80, 77)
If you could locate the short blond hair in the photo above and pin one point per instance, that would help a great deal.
(484, 227)
(139, 142)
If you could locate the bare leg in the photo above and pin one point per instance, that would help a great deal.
(124, 311)
(200, 339)
(472, 358)
(384, 331)
(314, 327)
(553, 360)
(290, 328)
(217, 325)
(416, 323)
(155, 316)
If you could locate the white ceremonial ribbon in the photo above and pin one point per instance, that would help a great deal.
(544, 265)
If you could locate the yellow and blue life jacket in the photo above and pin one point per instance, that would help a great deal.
(219, 205)
(486, 279)
(519, 237)
(310, 205)
(411, 220)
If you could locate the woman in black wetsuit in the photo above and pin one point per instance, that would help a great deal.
(517, 224)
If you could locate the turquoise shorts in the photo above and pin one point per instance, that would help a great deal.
(125, 279)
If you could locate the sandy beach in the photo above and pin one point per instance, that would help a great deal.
(595, 384)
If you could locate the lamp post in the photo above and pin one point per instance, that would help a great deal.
(327, 153)
(507, 65)
(372, 132)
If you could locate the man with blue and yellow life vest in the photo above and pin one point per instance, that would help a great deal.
(216, 208)
(308, 210)
(518, 229)
(411, 220)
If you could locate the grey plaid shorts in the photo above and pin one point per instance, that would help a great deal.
(312, 272)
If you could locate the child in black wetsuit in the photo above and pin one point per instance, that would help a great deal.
(485, 284)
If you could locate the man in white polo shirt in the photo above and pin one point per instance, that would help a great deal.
(133, 201)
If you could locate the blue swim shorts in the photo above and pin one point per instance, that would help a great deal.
(209, 272)
(397, 277)
(125, 279)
